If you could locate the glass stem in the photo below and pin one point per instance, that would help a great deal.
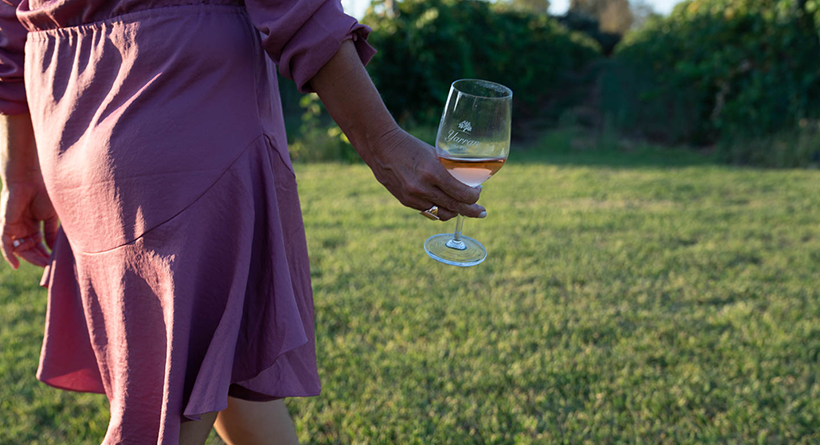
(456, 242)
(459, 225)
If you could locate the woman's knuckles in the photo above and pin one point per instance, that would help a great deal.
(416, 188)
(446, 215)
(428, 176)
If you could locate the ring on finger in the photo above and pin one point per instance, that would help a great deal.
(431, 213)
(18, 242)
(26, 240)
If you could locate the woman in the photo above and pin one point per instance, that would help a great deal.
(178, 278)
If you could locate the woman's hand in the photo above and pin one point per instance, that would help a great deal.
(410, 170)
(405, 165)
(24, 201)
(22, 207)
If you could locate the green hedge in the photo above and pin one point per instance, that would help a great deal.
(431, 43)
(718, 69)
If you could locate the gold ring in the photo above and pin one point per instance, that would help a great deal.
(431, 213)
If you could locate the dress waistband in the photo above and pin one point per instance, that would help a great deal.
(78, 15)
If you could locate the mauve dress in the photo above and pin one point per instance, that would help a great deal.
(180, 273)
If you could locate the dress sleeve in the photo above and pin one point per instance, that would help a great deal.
(301, 36)
(12, 42)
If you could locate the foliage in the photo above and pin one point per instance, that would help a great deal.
(799, 147)
(641, 12)
(534, 6)
(656, 302)
(714, 69)
(319, 139)
(589, 25)
(431, 43)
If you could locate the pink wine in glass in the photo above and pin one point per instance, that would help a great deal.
(472, 171)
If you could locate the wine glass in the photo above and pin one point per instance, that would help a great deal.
(472, 143)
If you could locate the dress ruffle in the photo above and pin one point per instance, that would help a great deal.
(217, 296)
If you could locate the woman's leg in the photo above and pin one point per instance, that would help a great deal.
(195, 433)
(252, 423)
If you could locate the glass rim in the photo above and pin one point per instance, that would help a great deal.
(508, 94)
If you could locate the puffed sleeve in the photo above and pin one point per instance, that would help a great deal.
(301, 36)
(12, 41)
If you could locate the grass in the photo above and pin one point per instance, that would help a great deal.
(637, 296)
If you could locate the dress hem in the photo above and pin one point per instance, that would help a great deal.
(66, 388)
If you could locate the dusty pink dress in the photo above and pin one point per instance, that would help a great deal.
(180, 275)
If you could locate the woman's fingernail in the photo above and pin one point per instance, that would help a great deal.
(483, 214)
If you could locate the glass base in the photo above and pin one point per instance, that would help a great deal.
(442, 248)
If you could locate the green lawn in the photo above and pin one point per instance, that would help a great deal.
(628, 297)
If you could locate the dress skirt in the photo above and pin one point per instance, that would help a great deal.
(180, 274)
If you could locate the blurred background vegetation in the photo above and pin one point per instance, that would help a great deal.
(738, 78)
(637, 291)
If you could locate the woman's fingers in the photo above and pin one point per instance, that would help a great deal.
(422, 204)
(24, 208)
(33, 256)
(31, 250)
(425, 196)
(41, 249)
(424, 192)
(445, 214)
(443, 200)
(448, 192)
(8, 253)
(454, 188)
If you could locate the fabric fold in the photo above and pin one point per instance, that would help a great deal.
(217, 296)
(263, 299)
(12, 57)
(301, 36)
(67, 359)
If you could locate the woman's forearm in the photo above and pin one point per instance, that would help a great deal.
(406, 166)
(353, 101)
(18, 152)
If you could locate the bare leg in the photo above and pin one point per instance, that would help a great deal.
(195, 433)
(252, 423)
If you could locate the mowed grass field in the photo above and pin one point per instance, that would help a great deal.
(640, 297)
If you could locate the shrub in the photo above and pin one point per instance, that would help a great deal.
(715, 69)
(431, 43)
(584, 23)
(318, 138)
(798, 147)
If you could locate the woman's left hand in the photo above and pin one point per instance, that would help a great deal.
(24, 201)
(23, 205)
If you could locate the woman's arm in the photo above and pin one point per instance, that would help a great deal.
(24, 202)
(406, 166)
(18, 152)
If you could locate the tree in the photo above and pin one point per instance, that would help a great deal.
(641, 12)
(535, 6)
(614, 16)
(592, 8)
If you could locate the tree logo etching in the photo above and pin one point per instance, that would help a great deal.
(453, 135)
